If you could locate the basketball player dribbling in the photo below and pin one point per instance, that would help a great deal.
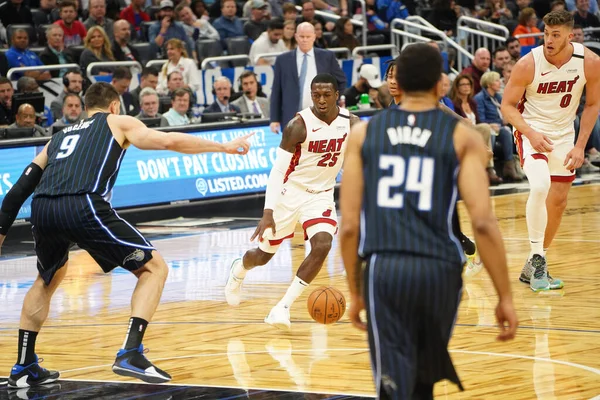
(300, 189)
(399, 189)
(72, 177)
(540, 101)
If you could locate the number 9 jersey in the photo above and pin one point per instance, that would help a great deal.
(82, 159)
(410, 175)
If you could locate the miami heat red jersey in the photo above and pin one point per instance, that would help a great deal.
(551, 100)
(318, 160)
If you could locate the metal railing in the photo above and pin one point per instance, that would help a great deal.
(462, 56)
(152, 63)
(232, 57)
(473, 33)
(15, 70)
(91, 66)
(341, 50)
(375, 47)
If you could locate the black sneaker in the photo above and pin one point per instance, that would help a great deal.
(31, 375)
(133, 363)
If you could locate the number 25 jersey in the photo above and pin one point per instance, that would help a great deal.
(318, 160)
(410, 185)
(82, 159)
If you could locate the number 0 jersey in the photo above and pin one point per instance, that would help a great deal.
(82, 159)
(410, 185)
(318, 160)
(550, 102)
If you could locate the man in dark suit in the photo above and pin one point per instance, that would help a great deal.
(149, 79)
(222, 90)
(121, 46)
(121, 80)
(294, 71)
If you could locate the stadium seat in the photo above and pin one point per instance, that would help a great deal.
(145, 28)
(76, 53)
(39, 17)
(208, 48)
(238, 45)
(41, 31)
(144, 50)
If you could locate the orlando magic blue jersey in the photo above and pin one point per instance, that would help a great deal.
(82, 159)
(410, 172)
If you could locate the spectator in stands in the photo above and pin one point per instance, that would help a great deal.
(55, 52)
(578, 35)
(179, 61)
(121, 79)
(478, 67)
(249, 102)
(344, 34)
(199, 9)
(26, 84)
(6, 93)
(247, 9)
(289, 35)
(320, 41)
(149, 106)
(339, 7)
(72, 84)
(560, 5)
(114, 7)
(309, 15)
(135, 15)
(177, 115)
(444, 16)
(488, 108)
(571, 5)
(257, 22)
(196, 28)
(228, 25)
(221, 89)
(166, 28)
(496, 12)
(527, 24)
(514, 48)
(71, 110)
(368, 82)
(121, 46)
(289, 12)
(47, 6)
(97, 49)
(149, 79)
(501, 57)
(506, 71)
(98, 18)
(268, 42)
(74, 30)
(462, 98)
(26, 119)
(585, 18)
(15, 12)
(394, 89)
(20, 56)
(443, 90)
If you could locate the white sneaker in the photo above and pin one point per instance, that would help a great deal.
(279, 317)
(474, 265)
(233, 288)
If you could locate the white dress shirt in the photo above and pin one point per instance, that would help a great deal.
(311, 72)
(249, 104)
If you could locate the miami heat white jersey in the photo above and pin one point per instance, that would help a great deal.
(551, 100)
(318, 160)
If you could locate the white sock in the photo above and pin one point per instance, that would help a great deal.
(293, 292)
(538, 175)
(239, 271)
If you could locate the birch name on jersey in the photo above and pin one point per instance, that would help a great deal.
(409, 135)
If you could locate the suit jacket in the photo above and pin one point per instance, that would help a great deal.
(120, 56)
(215, 108)
(285, 94)
(128, 104)
(262, 103)
(49, 58)
(135, 99)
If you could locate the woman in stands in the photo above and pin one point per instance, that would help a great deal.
(527, 24)
(289, 30)
(178, 61)
(97, 48)
(344, 34)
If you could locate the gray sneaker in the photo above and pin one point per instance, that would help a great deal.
(539, 279)
(529, 269)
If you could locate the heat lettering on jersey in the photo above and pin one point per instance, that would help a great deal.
(557, 86)
(326, 145)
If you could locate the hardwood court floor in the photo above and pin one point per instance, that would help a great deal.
(201, 341)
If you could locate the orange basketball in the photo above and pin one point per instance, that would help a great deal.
(326, 305)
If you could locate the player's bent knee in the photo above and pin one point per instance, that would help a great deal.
(156, 266)
(262, 257)
(321, 243)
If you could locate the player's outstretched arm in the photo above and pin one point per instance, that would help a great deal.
(21, 190)
(136, 133)
(521, 76)
(473, 185)
(351, 195)
(293, 134)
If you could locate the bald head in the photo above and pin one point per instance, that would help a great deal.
(122, 31)
(482, 59)
(434, 44)
(305, 36)
(26, 116)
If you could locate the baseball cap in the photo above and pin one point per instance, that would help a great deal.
(258, 4)
(166, 4)
(371, 74)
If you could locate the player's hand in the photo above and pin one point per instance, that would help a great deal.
(2, 237)
(507, 320)
(357, 304)
(265, 223)
(238, 146)
(540, 143)
(275, 127)
(574, 158)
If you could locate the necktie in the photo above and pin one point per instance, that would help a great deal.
(302, 79)
(256, 110)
